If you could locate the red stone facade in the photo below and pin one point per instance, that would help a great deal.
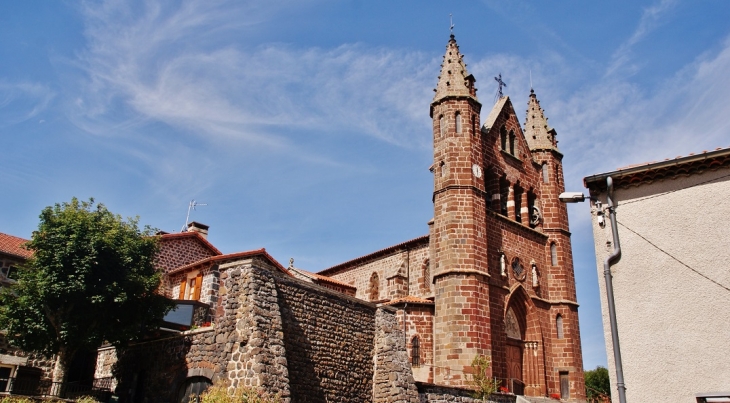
(495, 274)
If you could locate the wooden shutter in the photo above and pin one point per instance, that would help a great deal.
(198, 286)
(182, 288)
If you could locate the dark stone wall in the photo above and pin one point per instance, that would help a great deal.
(430, 393)
(329, 342)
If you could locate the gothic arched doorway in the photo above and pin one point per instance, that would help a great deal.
(523, 347)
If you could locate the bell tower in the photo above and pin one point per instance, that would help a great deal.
(560, 286)
(458, 242)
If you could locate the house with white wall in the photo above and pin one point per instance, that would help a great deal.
(672, 282)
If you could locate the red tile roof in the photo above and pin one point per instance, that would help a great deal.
(13, 245)
(232, 256)
(325, 279)
(637, 174)
(192, 234)
(410, 299)
(383, 252)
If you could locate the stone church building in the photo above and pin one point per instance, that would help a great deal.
(493, 276)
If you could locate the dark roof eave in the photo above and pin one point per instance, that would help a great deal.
(598, 181)
(382, 252)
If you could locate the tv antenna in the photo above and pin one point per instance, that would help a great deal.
(193, 204)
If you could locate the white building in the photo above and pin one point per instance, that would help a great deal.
(672, 282)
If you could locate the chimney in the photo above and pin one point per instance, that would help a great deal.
(201, 229)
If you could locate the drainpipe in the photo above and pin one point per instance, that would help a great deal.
(612, 259)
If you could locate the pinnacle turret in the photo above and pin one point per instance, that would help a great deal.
(538, 134)
(454, 79)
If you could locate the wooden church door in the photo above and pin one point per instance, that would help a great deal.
(514, 369)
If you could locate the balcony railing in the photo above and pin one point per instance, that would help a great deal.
(99, 388)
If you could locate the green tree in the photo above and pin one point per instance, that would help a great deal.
(597, 383)
(91, 279)
(480, 379)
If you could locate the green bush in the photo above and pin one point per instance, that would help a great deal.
(219, 393)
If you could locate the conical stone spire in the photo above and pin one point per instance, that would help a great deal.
(538, 134)
(454, 80)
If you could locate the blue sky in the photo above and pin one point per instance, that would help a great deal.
(304, 125)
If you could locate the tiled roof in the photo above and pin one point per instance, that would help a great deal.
(410, 299)
(380, 253)
(13, 245)
(326, 279)
(232, 256)
(192, 234)
(637, 174)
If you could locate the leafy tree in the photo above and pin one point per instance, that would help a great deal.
(480, 379)
(598, 386)
(91, 279)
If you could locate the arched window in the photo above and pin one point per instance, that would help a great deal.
(503, 138)
(503, 195)
(512, 142)
(545, 173)
(374, 288)
(442, 126)
(559, 326)
(474, 125)
(553, 254)
(518, 191)
(415, 352)
(458, 122)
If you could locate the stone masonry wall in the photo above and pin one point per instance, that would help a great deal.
(393, 379)
(429, 393)
(281, 335)
(14, 356)
(328, 339)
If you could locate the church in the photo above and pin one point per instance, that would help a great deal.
(494, 275)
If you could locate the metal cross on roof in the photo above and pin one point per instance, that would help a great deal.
(501, 84)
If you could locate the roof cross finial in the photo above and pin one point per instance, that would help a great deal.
(451, 24)
(500, 84)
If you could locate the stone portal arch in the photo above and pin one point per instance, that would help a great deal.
(524, 346)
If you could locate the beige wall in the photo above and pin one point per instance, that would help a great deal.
(674, 324)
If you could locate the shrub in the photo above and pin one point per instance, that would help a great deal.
(219, 393)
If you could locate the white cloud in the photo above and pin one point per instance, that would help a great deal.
(22, 101)
(175, 70)
(651, 19)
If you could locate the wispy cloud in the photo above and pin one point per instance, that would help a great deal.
(22, 101)
(176, 67)
(651, 18)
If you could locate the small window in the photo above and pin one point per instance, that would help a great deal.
(553, 254)
(503, 138)
(458, 123)
(442, 126)
(559, 326)
(545, 173)
(190, 286)
(415, 352)
(474, 125)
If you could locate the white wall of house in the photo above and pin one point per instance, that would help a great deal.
(673, 322)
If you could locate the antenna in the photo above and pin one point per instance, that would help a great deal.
(192, 205)
(451, 24)
(530, 79)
